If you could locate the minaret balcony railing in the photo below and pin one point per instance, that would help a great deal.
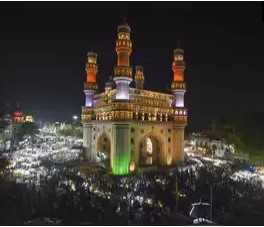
(123, 71)
(90, 86)
(127, 111)
(178, 85)
(123, 44)
(91, 66)
(178, 65)
(180, 111)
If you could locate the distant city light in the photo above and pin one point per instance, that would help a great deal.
(75, 117)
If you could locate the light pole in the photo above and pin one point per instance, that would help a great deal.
(75, 119)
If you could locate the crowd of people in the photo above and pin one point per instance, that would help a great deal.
(33, 157)
(63, 194)
(163, 197)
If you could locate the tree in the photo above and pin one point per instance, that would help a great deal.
(25, 129)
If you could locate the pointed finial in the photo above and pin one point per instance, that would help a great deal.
(178, 44)
(124, 20)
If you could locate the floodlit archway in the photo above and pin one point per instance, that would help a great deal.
(104, 150)
(150, 149)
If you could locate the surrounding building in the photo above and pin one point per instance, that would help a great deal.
(208, 145)
(29, 119)
(133, 127)
(19, 117)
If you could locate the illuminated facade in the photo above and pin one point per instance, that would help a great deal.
(29, 119)
(18, 116)
(134, 128)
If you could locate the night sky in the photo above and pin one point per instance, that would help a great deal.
(43, 50)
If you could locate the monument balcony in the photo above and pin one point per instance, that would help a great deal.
(86, 118)
(124, 45)
(87, 114)
(129, 110)
(91, 67)
(178, 85)
(90, 86)
(123, 71)
(180, 115)
(180, 111)
(141, 116)
(178, 65)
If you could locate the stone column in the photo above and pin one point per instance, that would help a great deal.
(178, 144)
(121, 153)
(88, 144)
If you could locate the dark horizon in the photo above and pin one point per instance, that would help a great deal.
(44, 45)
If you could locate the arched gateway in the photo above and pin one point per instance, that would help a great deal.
(132, 127)
(150, 151)
(103, 149)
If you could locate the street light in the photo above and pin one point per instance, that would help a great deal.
(75, 119)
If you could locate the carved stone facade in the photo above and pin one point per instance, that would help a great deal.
(134, 128)
(127, 140)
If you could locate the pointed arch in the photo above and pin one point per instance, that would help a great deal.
(150, 150)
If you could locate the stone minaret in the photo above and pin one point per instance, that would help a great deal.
(180, 112)
(90, 85)
(178, 83)
(139, 77)
(123, 71)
